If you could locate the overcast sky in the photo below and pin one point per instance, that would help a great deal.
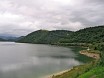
(20, 17)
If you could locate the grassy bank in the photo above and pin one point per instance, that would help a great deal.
(84, 71)
(76, 71)
(97, 72)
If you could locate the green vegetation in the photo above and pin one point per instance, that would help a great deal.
(95, 69)
(92, 37)
(100, 47)
(63, 37)
(45, 37)
(97, 72)
(2, 39)
(76, 71)
(88, 35)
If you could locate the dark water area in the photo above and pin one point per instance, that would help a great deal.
(20, 60)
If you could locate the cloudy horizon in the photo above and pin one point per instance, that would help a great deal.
(22, 17)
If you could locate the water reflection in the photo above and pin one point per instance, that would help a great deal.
(34, 60)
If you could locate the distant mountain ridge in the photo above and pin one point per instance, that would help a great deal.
(2, 39)
(87, 35)
(8, 38)
(45, 37)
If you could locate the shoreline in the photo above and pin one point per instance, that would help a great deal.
(90, 53)
(83, 52)
(58, 73)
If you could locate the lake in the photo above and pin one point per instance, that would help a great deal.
(20, 60)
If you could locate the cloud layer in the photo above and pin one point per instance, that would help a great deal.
(24, 16)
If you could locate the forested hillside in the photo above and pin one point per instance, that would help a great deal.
(92, 37)
(46, 37)
(87, 35)
(94, 34)
(2, 39)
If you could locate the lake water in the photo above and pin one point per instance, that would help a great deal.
(20, 60)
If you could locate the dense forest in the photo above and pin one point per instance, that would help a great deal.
(87, 35)
(2, 39)
(46, 37)
(92, 37)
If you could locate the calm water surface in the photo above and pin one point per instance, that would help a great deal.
(19, 60)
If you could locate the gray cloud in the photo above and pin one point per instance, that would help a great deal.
(22, 17)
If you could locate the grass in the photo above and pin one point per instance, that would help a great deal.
(76, 71)
(89, 70)
(97, 72)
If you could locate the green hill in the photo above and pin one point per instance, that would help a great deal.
(2, 39)
(87, 35)
(92, 35)
(45, 37)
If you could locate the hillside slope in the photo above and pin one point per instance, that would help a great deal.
(87, 35)
(2, 39)
(46, 37)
